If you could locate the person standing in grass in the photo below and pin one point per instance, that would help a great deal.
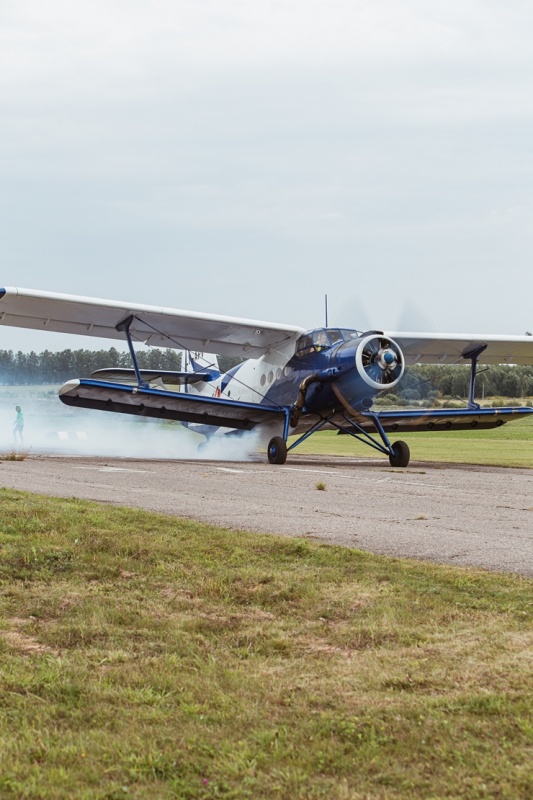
(18, 426)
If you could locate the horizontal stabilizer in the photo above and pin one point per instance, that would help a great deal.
(168, 377)
(163, 404)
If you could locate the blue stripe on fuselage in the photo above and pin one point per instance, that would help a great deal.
(228, 376)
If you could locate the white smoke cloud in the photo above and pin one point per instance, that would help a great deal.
(53, 429)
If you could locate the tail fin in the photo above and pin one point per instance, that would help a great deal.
(200, 362)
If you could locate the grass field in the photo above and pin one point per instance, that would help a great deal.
(508, 446)
(147, 657)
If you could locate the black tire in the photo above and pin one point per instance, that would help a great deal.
(400, 456)
(277, 450)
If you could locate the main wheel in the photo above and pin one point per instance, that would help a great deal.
(277, 450)
(400, 456)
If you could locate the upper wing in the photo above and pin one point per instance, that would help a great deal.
(452, 348)
(158, 327)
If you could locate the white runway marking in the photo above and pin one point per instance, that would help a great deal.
(317, 471)
(113, 469)
(420, 484)
(347, 474)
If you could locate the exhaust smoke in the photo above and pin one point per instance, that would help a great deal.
(51, 428)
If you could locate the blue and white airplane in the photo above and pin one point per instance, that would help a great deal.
(293, 381)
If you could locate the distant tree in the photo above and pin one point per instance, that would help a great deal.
(228, 362)
(421, 382)
(7, 366)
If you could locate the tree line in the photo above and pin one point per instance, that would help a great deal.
(421, 382)
(17, 369)
(427, 381)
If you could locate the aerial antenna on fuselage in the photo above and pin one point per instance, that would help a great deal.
(326, 308)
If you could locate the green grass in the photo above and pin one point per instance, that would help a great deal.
(148, 657)
(508, 446)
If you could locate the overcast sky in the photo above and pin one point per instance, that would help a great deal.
(245, 157)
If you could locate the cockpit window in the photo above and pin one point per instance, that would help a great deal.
(305, 345)
(347, 335)
(319, 340)
(335, 336)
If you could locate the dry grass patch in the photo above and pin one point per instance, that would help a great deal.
(14, 455)
(16, 639)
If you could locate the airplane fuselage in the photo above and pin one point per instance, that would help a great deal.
(349, 369)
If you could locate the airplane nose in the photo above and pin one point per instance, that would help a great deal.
(379, 361)
(387, 358)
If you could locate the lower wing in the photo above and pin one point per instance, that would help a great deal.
(162, 404)
(442, 419)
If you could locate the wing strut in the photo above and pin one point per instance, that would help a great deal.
(124, 326)
(473, 355)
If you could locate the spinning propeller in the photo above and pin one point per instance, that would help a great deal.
(379, 361)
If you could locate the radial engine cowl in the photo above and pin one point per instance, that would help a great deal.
(379, 361)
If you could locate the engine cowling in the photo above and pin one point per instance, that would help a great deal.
(379, 361)
(352, 374)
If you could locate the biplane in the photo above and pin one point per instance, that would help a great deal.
(291, 383)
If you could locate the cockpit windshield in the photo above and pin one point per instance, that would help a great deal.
(323, 338)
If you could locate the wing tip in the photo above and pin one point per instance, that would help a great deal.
(69, 386)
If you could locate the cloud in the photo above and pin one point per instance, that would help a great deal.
(185, 150)
(125, 39)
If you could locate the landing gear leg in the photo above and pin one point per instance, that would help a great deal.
(277, 450)
(398, 452)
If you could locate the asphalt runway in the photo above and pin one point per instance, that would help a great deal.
(468, 515)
